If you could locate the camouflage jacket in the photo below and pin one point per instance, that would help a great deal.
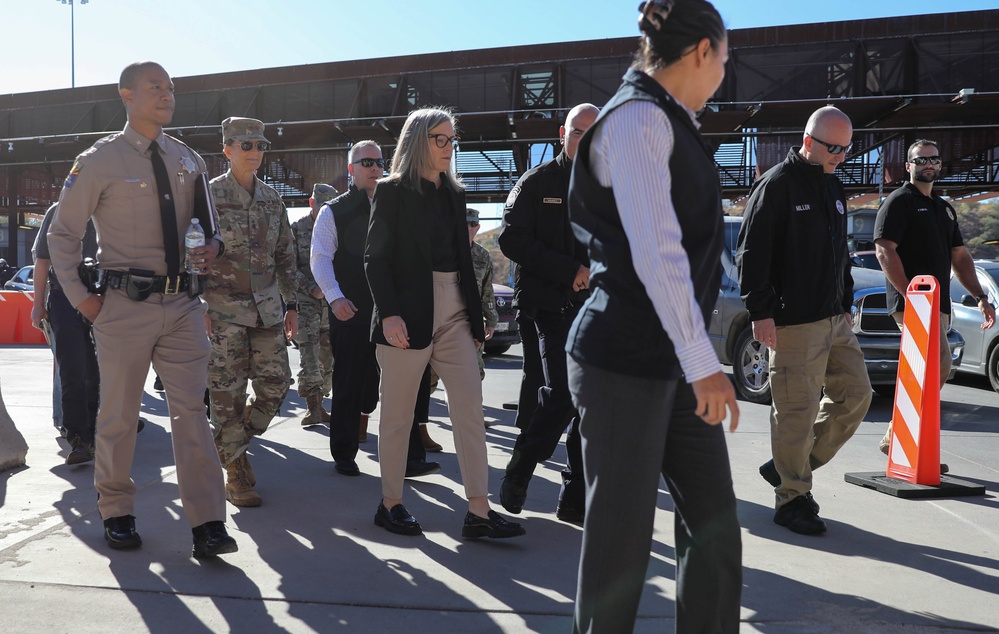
(305, 282)
(259, 259)
(482, 263)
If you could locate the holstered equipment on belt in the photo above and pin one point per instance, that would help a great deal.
(140, 284)
(91, 276)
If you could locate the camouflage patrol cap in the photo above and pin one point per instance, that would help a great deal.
(471, 214)
(321, 192)
(242, 129)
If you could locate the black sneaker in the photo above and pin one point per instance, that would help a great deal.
(82, 452)
(493, 526)
(799, 516)
(422, 468)
(769, 472)
(513, 492)
(119, 532)
(212, 539)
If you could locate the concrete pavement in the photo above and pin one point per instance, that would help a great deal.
(311, 560)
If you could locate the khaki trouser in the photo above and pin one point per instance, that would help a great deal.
(168, 330)
(452, 355)
(821, 392)
(945, 359)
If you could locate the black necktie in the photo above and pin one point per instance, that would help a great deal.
(168, 215)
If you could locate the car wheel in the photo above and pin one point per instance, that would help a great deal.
(886, 390)
(497, 349)
(994, 368)
(751, 368)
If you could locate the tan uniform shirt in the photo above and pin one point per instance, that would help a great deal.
(246, 287)
(113, 182)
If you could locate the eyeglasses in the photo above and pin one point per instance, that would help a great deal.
(442, 140)
(833, 149)
(923, 160)
(246, 146)
(473, 223)
(370, 162)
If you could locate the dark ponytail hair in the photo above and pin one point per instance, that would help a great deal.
(671, 27)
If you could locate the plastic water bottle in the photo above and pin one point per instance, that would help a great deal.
(194, 238)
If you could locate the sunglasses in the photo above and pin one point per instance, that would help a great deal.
(442, 140)
(473, 223)
(370, 162)
(923, 160)
(246, 146)
(833, 149)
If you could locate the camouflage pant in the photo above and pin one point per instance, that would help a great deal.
(241, 354)
(315, 375)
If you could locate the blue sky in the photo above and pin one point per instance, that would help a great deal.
(196, 37)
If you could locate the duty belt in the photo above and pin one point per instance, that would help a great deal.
(159, 283)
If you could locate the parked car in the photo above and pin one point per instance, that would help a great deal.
(23, 280)
(507, 331)
(865, 260)
(731, 332)
(981, 347)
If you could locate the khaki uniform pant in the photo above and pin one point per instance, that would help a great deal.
(821, 392)
(169, 331)
(945, 358)
(452, 356)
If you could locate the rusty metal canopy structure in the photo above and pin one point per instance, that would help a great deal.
(899, 79)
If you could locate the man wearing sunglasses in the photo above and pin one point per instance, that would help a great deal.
(550, 286)
(796, 282)
(916, 233)
(248, 321)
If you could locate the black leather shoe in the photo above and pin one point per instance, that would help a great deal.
(570, 513)
(158, 384)
(769, 472)
(347, 468)
(398, 520)
(140, 425)
(494, 526)
(418, 469)
(799, 516)
(513, 492)
(119, 532)
(211, 539)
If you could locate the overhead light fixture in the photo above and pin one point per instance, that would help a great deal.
(280, 131)
(964, 95)
(10, 147)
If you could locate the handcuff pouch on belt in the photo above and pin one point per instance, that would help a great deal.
(139, 284)
(91, 276)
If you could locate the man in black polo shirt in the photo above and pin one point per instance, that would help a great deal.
(916, 233)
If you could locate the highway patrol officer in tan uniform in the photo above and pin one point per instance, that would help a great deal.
(248, 322)
(143, 317)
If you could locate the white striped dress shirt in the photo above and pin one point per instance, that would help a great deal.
(630, 152)
(324, 244)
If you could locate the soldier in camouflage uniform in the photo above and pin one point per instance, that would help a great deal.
(315, 375)
(482, 262)
(248, 323)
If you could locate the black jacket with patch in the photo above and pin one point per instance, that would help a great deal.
(792, 251)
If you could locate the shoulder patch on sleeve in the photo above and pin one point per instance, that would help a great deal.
(73, 173)
(512, 197)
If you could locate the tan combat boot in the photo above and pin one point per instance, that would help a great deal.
(316, 411)
(238, 489)
(250, 476)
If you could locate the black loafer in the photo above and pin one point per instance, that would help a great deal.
(347, 468)
(799, 516)
(570, 513)
(494, 526)
(398, 520)
(513, 492)
(212, 539)
(119, 532)
(422, 468)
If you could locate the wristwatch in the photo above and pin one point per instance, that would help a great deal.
(979, 298)
(292, 306)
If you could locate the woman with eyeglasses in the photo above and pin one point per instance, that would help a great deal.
(645, 199)
(419, 267)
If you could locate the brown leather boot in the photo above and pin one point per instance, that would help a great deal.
(316, 411)
(322, 411)
(362, 429)
(250, 476)
(238, 489)
(428, 442)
